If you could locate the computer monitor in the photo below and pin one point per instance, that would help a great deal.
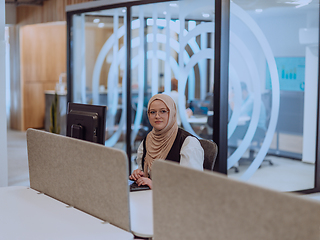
(86, 122)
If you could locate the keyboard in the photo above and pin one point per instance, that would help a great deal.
(134, 187)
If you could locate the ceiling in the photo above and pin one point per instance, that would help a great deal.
(268, 7)
(263, 4)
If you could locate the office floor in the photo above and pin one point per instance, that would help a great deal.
(285, 175)
(18, 171)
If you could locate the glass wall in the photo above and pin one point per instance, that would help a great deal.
(273, 79)
(99, 56)
(273, 82)
(172, 53)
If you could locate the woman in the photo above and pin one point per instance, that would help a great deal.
(165, 141)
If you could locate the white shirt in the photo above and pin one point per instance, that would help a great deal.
(192, 154)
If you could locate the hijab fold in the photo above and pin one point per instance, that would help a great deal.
(159, 143)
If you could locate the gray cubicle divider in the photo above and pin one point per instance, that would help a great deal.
(189, 204)
(88, 176)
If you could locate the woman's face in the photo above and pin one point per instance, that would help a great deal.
(158, 115)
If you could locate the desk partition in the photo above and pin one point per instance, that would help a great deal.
(87, 176)
(189, 204)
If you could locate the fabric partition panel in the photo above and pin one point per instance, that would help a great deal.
(189, 204)
(88, 176)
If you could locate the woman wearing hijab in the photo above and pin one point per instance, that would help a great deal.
(165, 141)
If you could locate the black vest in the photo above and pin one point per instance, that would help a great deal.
(174, 153)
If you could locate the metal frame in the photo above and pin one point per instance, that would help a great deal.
(128, 69)
(221, 62)
(69, 72)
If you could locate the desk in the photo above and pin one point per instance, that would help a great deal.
(26, 214)
(141, 213)
(243, 120)
(314, 196)
(202, 119)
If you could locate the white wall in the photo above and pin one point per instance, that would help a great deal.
(282, 34)
(10, 14)
(310, 106)
(3, 118)
(310, 37)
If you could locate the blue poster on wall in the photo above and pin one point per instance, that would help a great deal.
(291, 73)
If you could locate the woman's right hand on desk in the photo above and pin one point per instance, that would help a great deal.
(136, 175)
(144, 181)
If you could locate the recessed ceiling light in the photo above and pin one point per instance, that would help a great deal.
(101, 25)
(259, 10)
(96, 20)
(205, 15)
(123, 10)
(173, 5)
(299, 3)
(164, 12)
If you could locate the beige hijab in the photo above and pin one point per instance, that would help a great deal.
(159, 143)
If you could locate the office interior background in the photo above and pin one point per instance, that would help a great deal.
(83, 56)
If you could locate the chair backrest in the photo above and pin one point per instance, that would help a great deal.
(210, 121)
(210, 153)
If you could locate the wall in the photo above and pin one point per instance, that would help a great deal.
(3, 119)
(11, 14)
(282, 37)
(284, 41)
(95, 39)
(42, 60)
(15, 83)
(51, 11)
(282, 34)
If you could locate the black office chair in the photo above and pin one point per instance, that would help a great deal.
(210, 153)
(260, 134)
(258, 137)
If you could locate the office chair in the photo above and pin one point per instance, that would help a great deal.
(260, 134)
(258, 137)
(210, 153)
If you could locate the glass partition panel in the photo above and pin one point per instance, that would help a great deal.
(172, 53)
(99, 56)
(273, 79)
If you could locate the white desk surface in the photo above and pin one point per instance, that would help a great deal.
(141, 213)
(203, 120)
(314, 196)
(198, 119)
(26, 214)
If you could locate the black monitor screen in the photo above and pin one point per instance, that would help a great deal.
(86, 122)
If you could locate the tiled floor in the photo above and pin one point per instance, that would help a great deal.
(284, 175)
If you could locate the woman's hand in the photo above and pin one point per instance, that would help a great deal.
(144, 181)
(136, 175)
